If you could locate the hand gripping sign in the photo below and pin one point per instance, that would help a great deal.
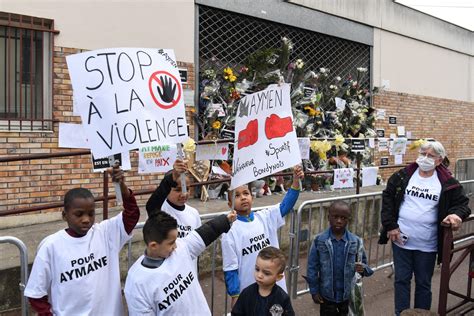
(128, 98)
(266, 140)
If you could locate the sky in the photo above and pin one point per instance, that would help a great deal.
(459, 12)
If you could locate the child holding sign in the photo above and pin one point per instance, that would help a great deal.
(170, 198)
(164, 281)
(76, 270)
(252, 232)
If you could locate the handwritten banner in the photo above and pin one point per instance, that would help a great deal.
(265, 138)
(128, 98)
(212, 151)
(156, 158)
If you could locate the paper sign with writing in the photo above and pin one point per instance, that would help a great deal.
(343, 178)
(128, 98)
(156, 158)
(399, 146)
(340, 103)
(101, 164)
(265, 137)
(216, 107)
(357, 145)
(380, 114)
(383, 144)
(304, 143)
(384, 161)
(218, 151)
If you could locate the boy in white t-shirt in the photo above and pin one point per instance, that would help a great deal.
(252, 232)
(76, 270)
(163, 281)
(169, 197)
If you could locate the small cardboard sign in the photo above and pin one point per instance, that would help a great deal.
(216, 151)
(384, 161)
(392, 120)
(357, 145)
(380, 132)
(183, 75)
(156, 158)
(101, 164)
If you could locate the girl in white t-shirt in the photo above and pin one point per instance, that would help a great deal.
(76, 270)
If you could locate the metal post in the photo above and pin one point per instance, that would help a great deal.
(105, 203)
(445, 271)
(358, 159)
(23, 268)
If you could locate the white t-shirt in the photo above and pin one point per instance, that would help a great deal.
(172, 288)
(242, 243)
(81, 275)
(418, 216)
(188, 219)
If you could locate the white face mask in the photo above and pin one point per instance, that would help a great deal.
(425, 163)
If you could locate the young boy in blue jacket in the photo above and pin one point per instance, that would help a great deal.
(333, 260)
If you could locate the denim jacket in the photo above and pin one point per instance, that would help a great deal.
(320, 265)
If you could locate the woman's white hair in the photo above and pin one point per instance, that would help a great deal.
(437, 147)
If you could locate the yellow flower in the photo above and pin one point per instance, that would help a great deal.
(321, 147)
(216, 125)
(339, 140)
(189, 145)
(228, 71)
(232, 78)
(311, 111)
(417, 143)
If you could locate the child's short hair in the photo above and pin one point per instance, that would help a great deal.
(158, 226)
(337, 204)
(76, 193)
(273, 253)
(229, 191)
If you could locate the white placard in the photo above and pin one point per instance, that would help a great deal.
(213, 107)
(156, 158)
(371, 143)
(383, 144)
(265, 138)
(304, 143)
(369, 176)
(340, 103)
(401, 130)
(398, 159)
(72, 136)
(128, 98)
(218, 151)
(380, 114)
(218, 170)
(101, 164)
(399, 146)
(343, 178)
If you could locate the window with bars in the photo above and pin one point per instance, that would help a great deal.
(25, 72)
(230, 37)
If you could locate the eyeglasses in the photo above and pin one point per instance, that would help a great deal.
(429, 155)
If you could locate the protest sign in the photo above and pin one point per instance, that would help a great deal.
(369, 176)
(156, 158)
(101, 164)
(212, 151)
(72, 136)
(343, 178)
(265, 138)
(128, 98)
(399, 146)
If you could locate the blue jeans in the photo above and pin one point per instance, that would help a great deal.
(409, 262)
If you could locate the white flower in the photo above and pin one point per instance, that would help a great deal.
(333, 87)
(338, 78)
(354, 84)
(322, 70)
(362, 69)
(299, 63)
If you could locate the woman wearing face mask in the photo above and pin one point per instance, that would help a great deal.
(416, 202)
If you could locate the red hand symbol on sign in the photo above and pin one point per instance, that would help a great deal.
(163, 86)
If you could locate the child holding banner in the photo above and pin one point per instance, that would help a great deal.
(163, 281)
(169, 197)
(76, 270)
(252, 232)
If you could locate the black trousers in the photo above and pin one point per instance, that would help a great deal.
(329, 308)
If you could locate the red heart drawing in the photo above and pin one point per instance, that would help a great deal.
(224, 150)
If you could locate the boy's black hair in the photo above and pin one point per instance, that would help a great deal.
(76, 193)
(229, 191)
(336, 204)
(158, 226)
(273, 253)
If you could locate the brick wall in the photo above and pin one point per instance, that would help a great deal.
(449, 121)
(27, 183)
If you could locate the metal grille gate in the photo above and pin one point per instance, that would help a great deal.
(230, 37)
